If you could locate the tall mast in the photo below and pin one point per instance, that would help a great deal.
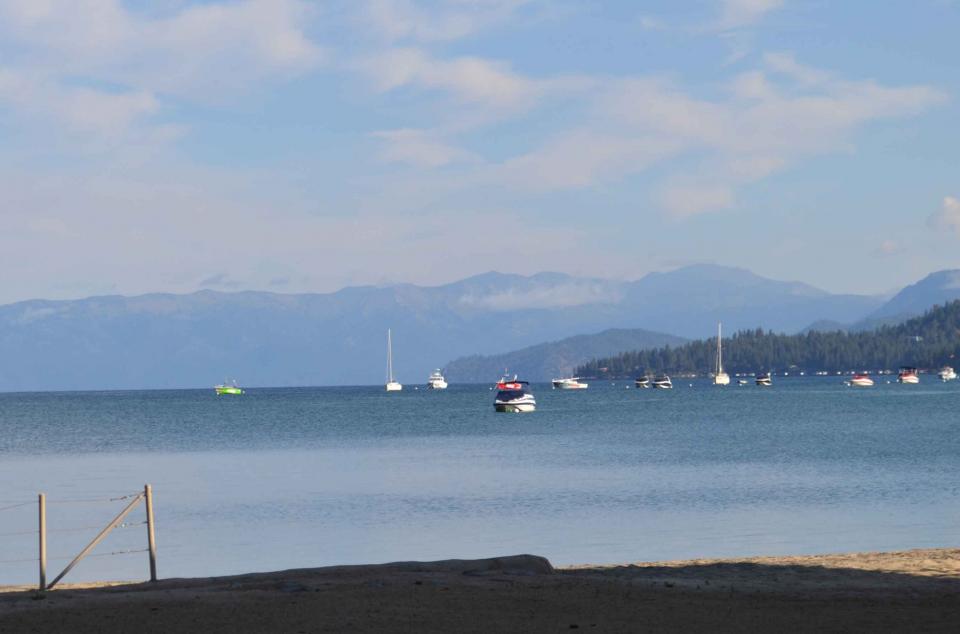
(389, 358)
(719, 348)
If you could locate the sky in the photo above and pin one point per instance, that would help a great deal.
(304, 146)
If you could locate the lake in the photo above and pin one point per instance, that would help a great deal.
(283, 478)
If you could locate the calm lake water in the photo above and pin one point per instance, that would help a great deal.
(282, 478)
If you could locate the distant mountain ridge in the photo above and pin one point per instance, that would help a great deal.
(554, 359)
(938, 288)
(166, 341)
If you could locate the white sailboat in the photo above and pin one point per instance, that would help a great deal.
(720, 377)
(392, 385)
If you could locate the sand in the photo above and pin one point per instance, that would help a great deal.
(917, 590)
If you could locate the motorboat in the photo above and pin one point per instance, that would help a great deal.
(514, 396)
(908, 375)
(764, 379)
(947, 374)
(392, 384)
(436, 381)
(742, 382)
(720, 377)
(642, 381)
(861, 380)
(573, 383)
(228, 388)
(662, 382)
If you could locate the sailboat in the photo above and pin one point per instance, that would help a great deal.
(392, 385)
(721, 377)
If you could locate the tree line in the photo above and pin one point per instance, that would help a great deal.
(929, 341)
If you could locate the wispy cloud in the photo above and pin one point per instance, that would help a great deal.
(740, 13)
(888, 248)
(470, 80)
(545, 297)
(96, 65)
(948, 217)
(420, 148)
(437, 21)
(769, 119)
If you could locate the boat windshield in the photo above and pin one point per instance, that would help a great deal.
(509, 395)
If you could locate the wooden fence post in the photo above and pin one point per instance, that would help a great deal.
(42, 508)
(151, 540)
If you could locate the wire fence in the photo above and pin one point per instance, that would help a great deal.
(42, 531)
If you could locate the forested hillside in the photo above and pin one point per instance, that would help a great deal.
(926, 342)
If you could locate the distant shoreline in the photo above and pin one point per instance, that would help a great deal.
(893, 591)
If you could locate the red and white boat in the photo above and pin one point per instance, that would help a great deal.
(908, 375)
(514, 396)
(861, 380)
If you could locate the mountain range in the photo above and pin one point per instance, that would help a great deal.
(259, 338)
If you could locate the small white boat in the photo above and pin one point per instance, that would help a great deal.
(392, 384)
(573, 383)
(642, 381)
(947, 374)
(514, 397)
(764, 379)
(436, 381)
(909, 376)
(662, 382)
(742, 382)
(861, 380)
(720, 377)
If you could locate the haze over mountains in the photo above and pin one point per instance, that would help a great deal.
(195, 340)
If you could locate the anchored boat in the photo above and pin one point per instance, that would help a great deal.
(392, 384)
(947, 374)
(436, 381)
(227, 388)
(908, 375)
(514, 396)
(764, 379)
(642, 381)
(572, 383)
(861, 380)
(662, 382)
(720, 377)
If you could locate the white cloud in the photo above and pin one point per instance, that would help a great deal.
(471, 80)
(420, 148)
(441, 20)
(888, 248)
(948, 218)
(68, 50)
(740, 13)
(765, 124)
(543, 297)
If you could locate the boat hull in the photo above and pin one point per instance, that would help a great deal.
(437, 385)
(909, 379)
(721, 379)
(861, 382)
(394, 387)
(515, 408)
(228, 391)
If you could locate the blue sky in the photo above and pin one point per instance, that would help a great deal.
(290, 145)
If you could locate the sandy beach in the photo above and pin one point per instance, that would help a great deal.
(917, 590)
